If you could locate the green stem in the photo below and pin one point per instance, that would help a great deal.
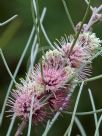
(50, 124)
(77, 35)
(78, 123)
(68, 15)
(92, 79)
(9, 20)
(30, 117)
(84, 113)
(15, 74)
(46, 36)
(38, 18)
(11, 125)
(94, 108)
(34, 21)
(98, 125)
(5, 63)
(87, 2)
(69, 129)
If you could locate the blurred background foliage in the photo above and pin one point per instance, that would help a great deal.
(13, 38)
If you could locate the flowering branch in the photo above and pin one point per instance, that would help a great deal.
(52, 81)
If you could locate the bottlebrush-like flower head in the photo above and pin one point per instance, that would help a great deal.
(76, 57)
(90, 41)
(54, 59)
(60, 99)
(55, 72)
(20, 102)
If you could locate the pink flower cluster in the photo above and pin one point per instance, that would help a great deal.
(50, 82)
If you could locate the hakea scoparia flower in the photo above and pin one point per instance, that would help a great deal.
(20, 102)
(54, 59)
(76, 57)
(81, 55)
(59, 100)
(90, 41)
(55, 72)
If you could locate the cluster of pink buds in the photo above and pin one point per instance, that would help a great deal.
(52, 81)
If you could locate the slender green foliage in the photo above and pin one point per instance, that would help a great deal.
(6, 65)
(35, 38)
(9, 20)
(87, 2)
(35, 19)
(11, 126)
(98, 125)
(94, 108)
(78, 123)
(15, 74)
(46, 36)
(84, 113)
(68, 15)
(81, 26)
(50, 124)
(69, 129)
(30, 117)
